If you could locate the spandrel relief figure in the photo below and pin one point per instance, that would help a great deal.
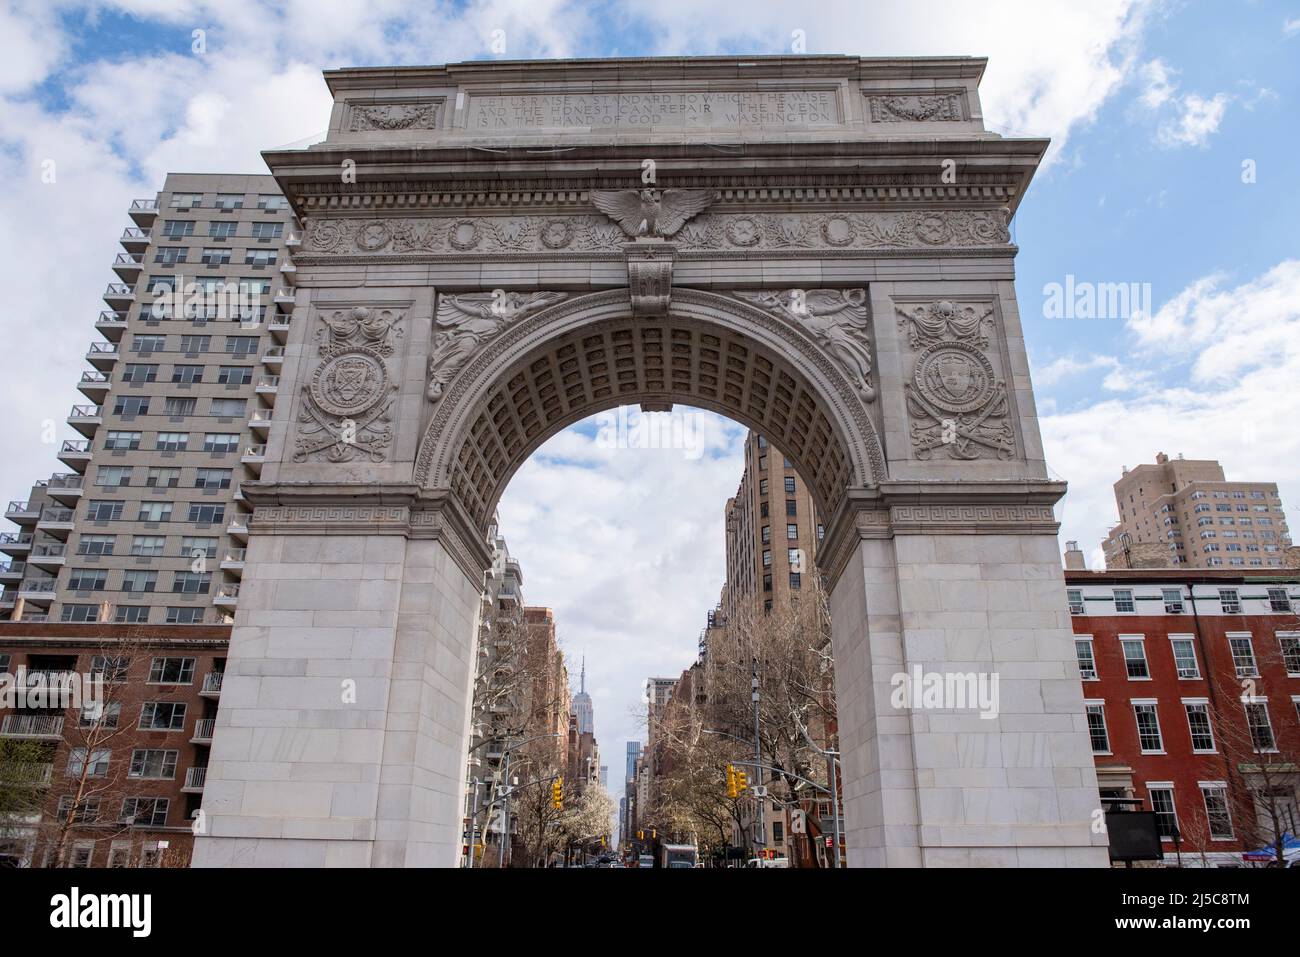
(464, 323)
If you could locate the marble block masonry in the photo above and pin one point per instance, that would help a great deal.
(814, 246)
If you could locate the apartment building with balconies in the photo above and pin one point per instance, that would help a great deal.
(113, 784)
(148, 525)
(1183, 512)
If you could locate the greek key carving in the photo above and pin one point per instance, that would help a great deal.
(956, 402)
(464, 323)
(348, 398)
(835, 318)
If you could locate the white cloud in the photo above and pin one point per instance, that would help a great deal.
(1198, 121)
(1237, 405)
(1291, 27)
(1158, 84)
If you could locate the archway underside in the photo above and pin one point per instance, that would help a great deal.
(649, 361)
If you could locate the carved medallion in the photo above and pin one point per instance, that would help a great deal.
(954, 376)
(350, 382)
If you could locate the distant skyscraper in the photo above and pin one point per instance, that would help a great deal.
(633, 752)
(582, 705)
(604, 776)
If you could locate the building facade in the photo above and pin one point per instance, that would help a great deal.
(1191, 686)
(1185, 513)
(149, 526)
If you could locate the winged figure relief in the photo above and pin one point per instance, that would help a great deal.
(652, 212)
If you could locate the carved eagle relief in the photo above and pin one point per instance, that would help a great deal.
(651, 212)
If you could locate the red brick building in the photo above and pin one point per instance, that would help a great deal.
(117, 786)
(1191, 684)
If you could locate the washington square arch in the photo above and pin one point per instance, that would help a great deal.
(816, 247)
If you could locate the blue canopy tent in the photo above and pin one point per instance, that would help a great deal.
(1267, 854)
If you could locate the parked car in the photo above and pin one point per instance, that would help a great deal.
(768, 862)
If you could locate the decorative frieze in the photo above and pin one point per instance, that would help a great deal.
(348, 398)
(652, 212)
(396, 115)
(446, 235)
(465, 323)
(836, 319)
(944, 107)
(956, 402)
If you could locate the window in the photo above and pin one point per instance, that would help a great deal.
(1261, 728)
(1096, 712)
(762, 486)
(122, 441)
(794, 557)
(160, 284)
(242, 345)
(140, 372)
(87, 812)
(215, 256)
(207, 514)
(789, 484)
(1087, 663)
(155, 512)
(235, 375)
(171, 671)
(767, 558)
(1135, 658)
(95, 766)
(170, 255)
(259, 257)
(87, 579)
(1124, 601)
(187, 200)
(1173, 600)
(791, 507)
(153, 763)
(163, 478)
(767, 583)
(1162, 802)
(766, 534)
(1243, 656)
(1229, 601)
(137, 580)
(1148, 726)
(131, 615)
(105, 718)
(1198, 723)
(227, 408)
(205, 546)
(195, 344)
(1185, 657)
(187, 374)
(145, 812)
(221, 229)
(148, 344)
(96, 544)
(265, 232)
(131, 405)
(1278, 600)
(272, 202)
(1290, 645)
(796, 580)
(102, 510)
(1215, 796)
(191, 583)
(212, 478)
(178, 228)
(185, 616)
(82, 854)
(228, 201)
(792, 532)
(79, 613)
(172, 441)
(113, 476)
(162, 716)
(1075, 597)
(220, 442)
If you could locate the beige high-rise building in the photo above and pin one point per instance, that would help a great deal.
(149, 525)
(1185, 512)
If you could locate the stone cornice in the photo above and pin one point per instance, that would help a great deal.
(937, 508)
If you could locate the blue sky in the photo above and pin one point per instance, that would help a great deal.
(1152, 107)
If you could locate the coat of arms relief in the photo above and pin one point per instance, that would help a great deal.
(957, 405)
(347, 402)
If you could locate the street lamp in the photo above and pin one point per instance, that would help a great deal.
(505, 791)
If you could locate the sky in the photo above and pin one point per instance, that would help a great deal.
(1173, 166)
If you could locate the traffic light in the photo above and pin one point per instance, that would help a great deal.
(654, 834)
(602, 841)
(640, 835)
(731, 782)
(557, 794)
(742, 780)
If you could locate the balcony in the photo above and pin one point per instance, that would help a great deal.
(119, 295)
(27, 775)
(288, 271)
(194, 778)
(86, 419)
(75, 454)
(227, 596)
(233, 560)
(56, 521)
(48, 555)
(267, 385)
(23, 513)
(143, 211)
(278, 326)
(12, 571)
(203, 731)
(94, 386)
(134, 239)
(102, 355)
(212, 684)
(128, 266)
(65, 487)
(111, 324)
(273, 357)
(238, 529)
(39, 591)
(33, 727)
(253, 456)
(260, 421)
(284, 299)
(15, 543)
